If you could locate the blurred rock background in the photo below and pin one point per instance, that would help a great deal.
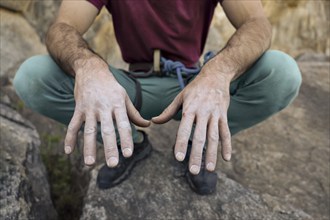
(279, 170)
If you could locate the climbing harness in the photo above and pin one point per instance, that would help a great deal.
(169, 67)
(162, 67)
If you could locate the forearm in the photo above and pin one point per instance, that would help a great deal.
(68, 48)
(247, 44)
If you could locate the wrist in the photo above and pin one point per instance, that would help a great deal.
(90, 65)
(218, 68)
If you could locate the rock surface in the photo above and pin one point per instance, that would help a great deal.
(38, 13)
(18, 42)
(15, 5)
(24, 188)
(154, 191)
(298, 26)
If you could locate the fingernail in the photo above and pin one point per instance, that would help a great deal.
(194, 169)
(179, 156)
(67, 149)
(89, 160)
(227, 157)
(210, 166)
(127, 152)
(112, 161)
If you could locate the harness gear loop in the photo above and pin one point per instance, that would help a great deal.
(156, 66)
(175, 67)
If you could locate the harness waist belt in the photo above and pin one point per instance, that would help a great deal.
(140, 67)
(165, 67)
(146, 67)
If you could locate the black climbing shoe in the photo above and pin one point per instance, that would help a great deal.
(109, 177)
(205, 182)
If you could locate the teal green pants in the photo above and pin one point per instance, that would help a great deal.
(266, 88)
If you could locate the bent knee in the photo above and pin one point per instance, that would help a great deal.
(284, 74)
(34, 76)
(36, 68)
(284, 67)
(24, 77)
(30, 72)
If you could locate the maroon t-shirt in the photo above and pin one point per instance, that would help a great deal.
(177, 27)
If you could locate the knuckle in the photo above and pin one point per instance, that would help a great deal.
(126, 141)
(107, 130)
(216, 114)
(199, 139)
(69, 136)
(79, 108)
(225, 139)
(187, 114)
(124, 125)
(212, 160)
(212, 157)
(167, 110)
(185, 131)
(196, 158)
(68, 141)
(111, 150)
(181, 144)
(90, 130)
(204, 113)
(213, 137)
(71, 128)
(223, 117)
(126, 133)
(227, 149)
(136, 112)
(118, 106)
(228, 134)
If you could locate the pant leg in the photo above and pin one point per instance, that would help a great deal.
(266, 88)
(157, 94)
(45, 88)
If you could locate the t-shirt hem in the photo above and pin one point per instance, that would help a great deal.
(97, 3)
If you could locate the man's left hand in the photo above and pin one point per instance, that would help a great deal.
(204, 102)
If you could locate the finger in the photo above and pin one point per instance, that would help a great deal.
(134, 114)
(182, 139)
(170, 111)
(197, 145)
(72, 132)
(225, 139)
(109, 140)
(212, 144)
(90, 132)
(125, 132)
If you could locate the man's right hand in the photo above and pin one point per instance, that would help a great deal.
(100, 98)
